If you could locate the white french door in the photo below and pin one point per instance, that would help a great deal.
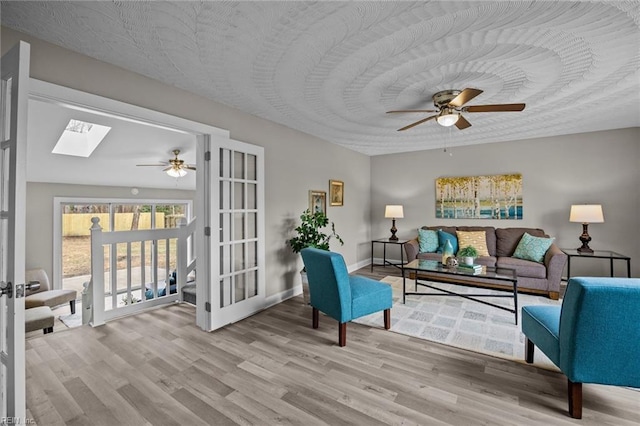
(237, 231)
(13, 125)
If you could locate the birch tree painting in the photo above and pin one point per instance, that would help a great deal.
(479, 197)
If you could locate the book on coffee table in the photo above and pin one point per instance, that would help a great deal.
(471, 268)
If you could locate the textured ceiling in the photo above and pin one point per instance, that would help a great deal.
(332, 69)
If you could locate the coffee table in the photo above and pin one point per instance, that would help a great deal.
(434, 271)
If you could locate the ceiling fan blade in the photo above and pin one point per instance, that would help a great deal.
(189, 167)
(168, 168)
(151, 165)
(465, 96)
(412, 110)
(494, 108)
(462, 123)
(417, 122)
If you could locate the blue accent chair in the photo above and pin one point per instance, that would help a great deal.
(594, 337)
(342, 296)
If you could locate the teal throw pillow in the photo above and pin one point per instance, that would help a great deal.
(442, 239)
(428, 240)
(532, 248)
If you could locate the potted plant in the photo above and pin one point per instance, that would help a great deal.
(467, 254)
(309, 234)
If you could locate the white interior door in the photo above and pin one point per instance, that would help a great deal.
(13, 125)
(237, 231)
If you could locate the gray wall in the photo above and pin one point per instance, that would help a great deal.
(295, 162)
(599, 168)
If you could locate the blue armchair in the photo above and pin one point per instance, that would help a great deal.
(594, 337)
(341, 296)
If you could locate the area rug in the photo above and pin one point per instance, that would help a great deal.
(71, 320)
(463, 323)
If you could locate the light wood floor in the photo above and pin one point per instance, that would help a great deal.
(158, 368)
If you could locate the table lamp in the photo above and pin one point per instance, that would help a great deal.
(586, 214)
(394, 212)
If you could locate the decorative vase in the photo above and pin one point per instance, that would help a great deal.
(447, 252)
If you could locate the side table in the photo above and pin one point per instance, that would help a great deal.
(385, 262)
(597, 254)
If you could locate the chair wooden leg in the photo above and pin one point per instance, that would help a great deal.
(47, 330)
(72, 304)
(528, 350)
(342, 334)
(574, 391)
(387, 319)
(315, 317)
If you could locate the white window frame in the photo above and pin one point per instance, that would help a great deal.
(58, 202)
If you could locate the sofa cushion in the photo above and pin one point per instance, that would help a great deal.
(49, 298)
(39, 275)
(485, 261)
(428, 240)
(443, 237)
(430, 256)
(490, 234)
(37, 318)
(508, 239)
(532, 248)
(476, 239)
(524, 268)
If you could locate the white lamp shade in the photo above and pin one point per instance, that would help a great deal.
(176, 172)
(447, 120)
(393, 211)
(586, 213)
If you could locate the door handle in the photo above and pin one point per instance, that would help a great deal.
(6, 288)
(33, 285)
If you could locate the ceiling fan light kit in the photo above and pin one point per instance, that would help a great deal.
(447, 117)
(177, 167)
(176, 172)
(449, 104)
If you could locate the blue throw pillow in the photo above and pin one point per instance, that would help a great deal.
(442, 239)
(428, 240)
(532, 248)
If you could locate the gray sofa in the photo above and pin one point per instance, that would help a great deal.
(533, 277)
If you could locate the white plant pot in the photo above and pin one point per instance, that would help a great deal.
(305, 287)
(467, 260)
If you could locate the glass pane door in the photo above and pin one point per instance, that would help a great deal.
(238, 230)
(238, 288)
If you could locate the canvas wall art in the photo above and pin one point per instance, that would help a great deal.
(479, 197)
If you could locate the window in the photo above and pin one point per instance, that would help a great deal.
(72, 237)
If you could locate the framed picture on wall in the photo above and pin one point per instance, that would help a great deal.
(317, 201)
(479, 197)
(336, 192)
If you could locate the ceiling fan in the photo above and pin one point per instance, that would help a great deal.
(176, 167)
(449, 106)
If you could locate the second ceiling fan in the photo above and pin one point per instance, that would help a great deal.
(175, 167)
(450, 105)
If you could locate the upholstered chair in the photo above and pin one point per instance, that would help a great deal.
(341, 296)
(44, 296)
(594, 337)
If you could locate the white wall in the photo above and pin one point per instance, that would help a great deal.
(599, 168)
(295, 162)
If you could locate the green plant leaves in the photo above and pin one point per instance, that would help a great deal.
(309, 234)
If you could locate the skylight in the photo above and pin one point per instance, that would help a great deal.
(80, 138)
